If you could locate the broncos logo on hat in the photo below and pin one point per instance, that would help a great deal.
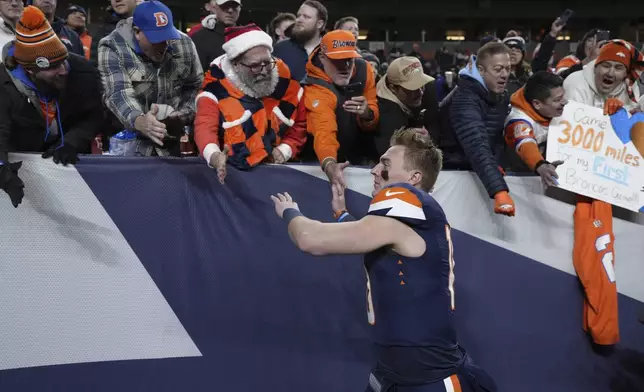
(161, 19)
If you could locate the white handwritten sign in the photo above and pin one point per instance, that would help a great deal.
(597, 162)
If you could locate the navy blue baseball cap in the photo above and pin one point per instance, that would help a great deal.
(155, 21)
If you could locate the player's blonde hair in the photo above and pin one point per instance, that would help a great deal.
(420, 154)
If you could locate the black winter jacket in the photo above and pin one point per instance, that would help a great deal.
(209, 44)
(22, 124)
(68, 36)
(101, 31)
(472, 134)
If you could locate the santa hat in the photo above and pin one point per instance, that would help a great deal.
(241, 39)
(36, 43)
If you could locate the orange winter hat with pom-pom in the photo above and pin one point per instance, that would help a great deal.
(36, 43)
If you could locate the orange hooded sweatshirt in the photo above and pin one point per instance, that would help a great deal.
(321, 104)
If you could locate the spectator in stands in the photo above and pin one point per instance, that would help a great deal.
(587, 51)
(50, 99)
(10, 12)
(350, 24)
(374, 62)
(395, 53)
(526, 127)
(542, 57)
(341, 104)
(415, 52)
(445, 59)
(66, 35)
(117, 11)
(209, 39)
(307, 30)
(609, 82)
(400, 99)
(151, 73)
(280, 24)
(477, 112)
(249, 101)
(76, 20)
(614, 74)
(487, 39)
(520, 69)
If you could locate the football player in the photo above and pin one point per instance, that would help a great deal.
(409, 261)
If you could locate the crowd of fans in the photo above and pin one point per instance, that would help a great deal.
(236, 95)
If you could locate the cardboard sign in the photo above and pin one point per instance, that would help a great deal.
(600, 160)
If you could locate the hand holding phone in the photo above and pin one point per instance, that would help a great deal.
(354, 89)
(563, 18)
(602, 35)
(357, 105)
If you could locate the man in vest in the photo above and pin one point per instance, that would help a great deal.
(341, 103)
(250, 104)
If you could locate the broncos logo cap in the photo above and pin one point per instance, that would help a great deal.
(155, 21)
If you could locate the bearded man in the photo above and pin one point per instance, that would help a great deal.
(250, 104)
(307, 33)
(49, 99)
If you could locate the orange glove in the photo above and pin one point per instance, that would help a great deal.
(612, 105)
(503, 204)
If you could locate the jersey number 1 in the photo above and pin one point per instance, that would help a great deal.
(448, 235)
(371, 316)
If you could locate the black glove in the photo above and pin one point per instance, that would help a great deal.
(548, 172)
(64, 154)
(11, 183)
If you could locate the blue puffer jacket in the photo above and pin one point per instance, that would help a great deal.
(472, 135)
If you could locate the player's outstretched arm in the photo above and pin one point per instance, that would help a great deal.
(317, 238)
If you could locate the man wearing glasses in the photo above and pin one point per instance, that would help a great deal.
(151, 75)
(251, 104)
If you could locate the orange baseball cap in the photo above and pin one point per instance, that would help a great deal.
(339, 45)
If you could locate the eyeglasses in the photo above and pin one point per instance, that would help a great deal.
(257, 68)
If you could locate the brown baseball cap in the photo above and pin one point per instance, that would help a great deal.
(339, 45)
(408, 73)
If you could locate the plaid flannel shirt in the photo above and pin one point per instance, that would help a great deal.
(132, 82)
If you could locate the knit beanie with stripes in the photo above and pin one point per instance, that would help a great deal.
(36, 43)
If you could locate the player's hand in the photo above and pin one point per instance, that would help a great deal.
(335, 172)
(218, 162)
(548, 173)
(337, 199)
(612, 105)
(503, 204)
(283, 202)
